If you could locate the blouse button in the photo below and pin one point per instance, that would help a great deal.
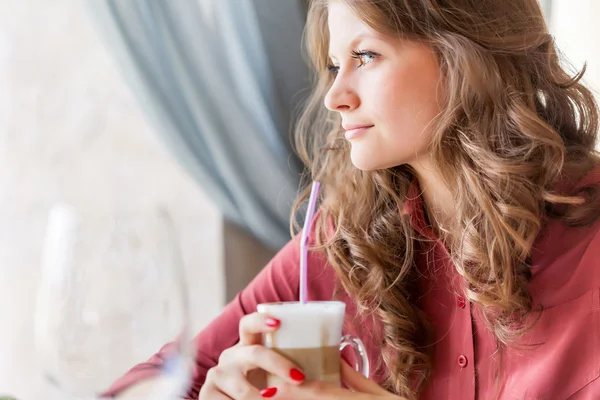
(461, 361)
(462, 303)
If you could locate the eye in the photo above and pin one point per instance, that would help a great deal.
(364, 56)
(333, 70)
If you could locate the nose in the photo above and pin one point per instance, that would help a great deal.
(341, 97)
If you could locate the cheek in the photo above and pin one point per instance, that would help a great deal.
(410, 102)
(406, 115)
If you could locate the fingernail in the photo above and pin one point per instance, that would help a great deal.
(268, 392)
(272, 322)
(345, 358)
(297, 375)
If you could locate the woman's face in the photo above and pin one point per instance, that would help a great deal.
(389, 85)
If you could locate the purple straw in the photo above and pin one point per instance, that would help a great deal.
(312, 201)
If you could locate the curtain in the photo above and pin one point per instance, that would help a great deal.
(220, 80)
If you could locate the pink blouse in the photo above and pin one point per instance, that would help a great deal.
(563, 364)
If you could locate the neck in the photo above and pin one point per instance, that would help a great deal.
(437, 198)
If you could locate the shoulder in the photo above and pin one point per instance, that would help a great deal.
(565, 263)
(566, 259)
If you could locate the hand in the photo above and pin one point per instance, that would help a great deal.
(229, 379)
(361, 388)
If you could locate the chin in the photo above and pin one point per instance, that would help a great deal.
(366, 160)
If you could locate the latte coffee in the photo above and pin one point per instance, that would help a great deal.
(318, 364)
(310, 335)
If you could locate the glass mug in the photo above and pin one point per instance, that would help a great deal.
(310, 335)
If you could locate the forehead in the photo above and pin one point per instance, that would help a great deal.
(346, 29)
(341, 21)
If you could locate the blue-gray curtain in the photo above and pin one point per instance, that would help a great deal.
(220, 80)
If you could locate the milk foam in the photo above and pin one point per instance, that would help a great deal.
(315, 324)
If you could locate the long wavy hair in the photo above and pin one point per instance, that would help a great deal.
(514, 126)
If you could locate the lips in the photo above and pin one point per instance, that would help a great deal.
(355, 131)
(351, 127)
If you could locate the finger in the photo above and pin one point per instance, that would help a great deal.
(235, 385)
(247, 358)
(252, 326)
(209, 391)
(358, 382)
(327, 391)
(316, 391)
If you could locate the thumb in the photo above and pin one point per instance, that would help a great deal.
(359, 383)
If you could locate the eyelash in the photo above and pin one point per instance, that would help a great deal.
(356, 54)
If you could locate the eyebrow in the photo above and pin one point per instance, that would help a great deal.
(357, 39)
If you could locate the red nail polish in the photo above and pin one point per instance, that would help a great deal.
(269, 392)
(272, 322)
(297, 375)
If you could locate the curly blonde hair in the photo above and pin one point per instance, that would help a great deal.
(514, 125)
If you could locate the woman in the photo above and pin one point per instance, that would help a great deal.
(458, 217)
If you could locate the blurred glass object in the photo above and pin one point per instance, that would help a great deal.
(112, 292)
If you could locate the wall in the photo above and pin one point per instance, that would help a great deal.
(70, 130)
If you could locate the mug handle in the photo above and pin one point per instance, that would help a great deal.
(360, 353)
